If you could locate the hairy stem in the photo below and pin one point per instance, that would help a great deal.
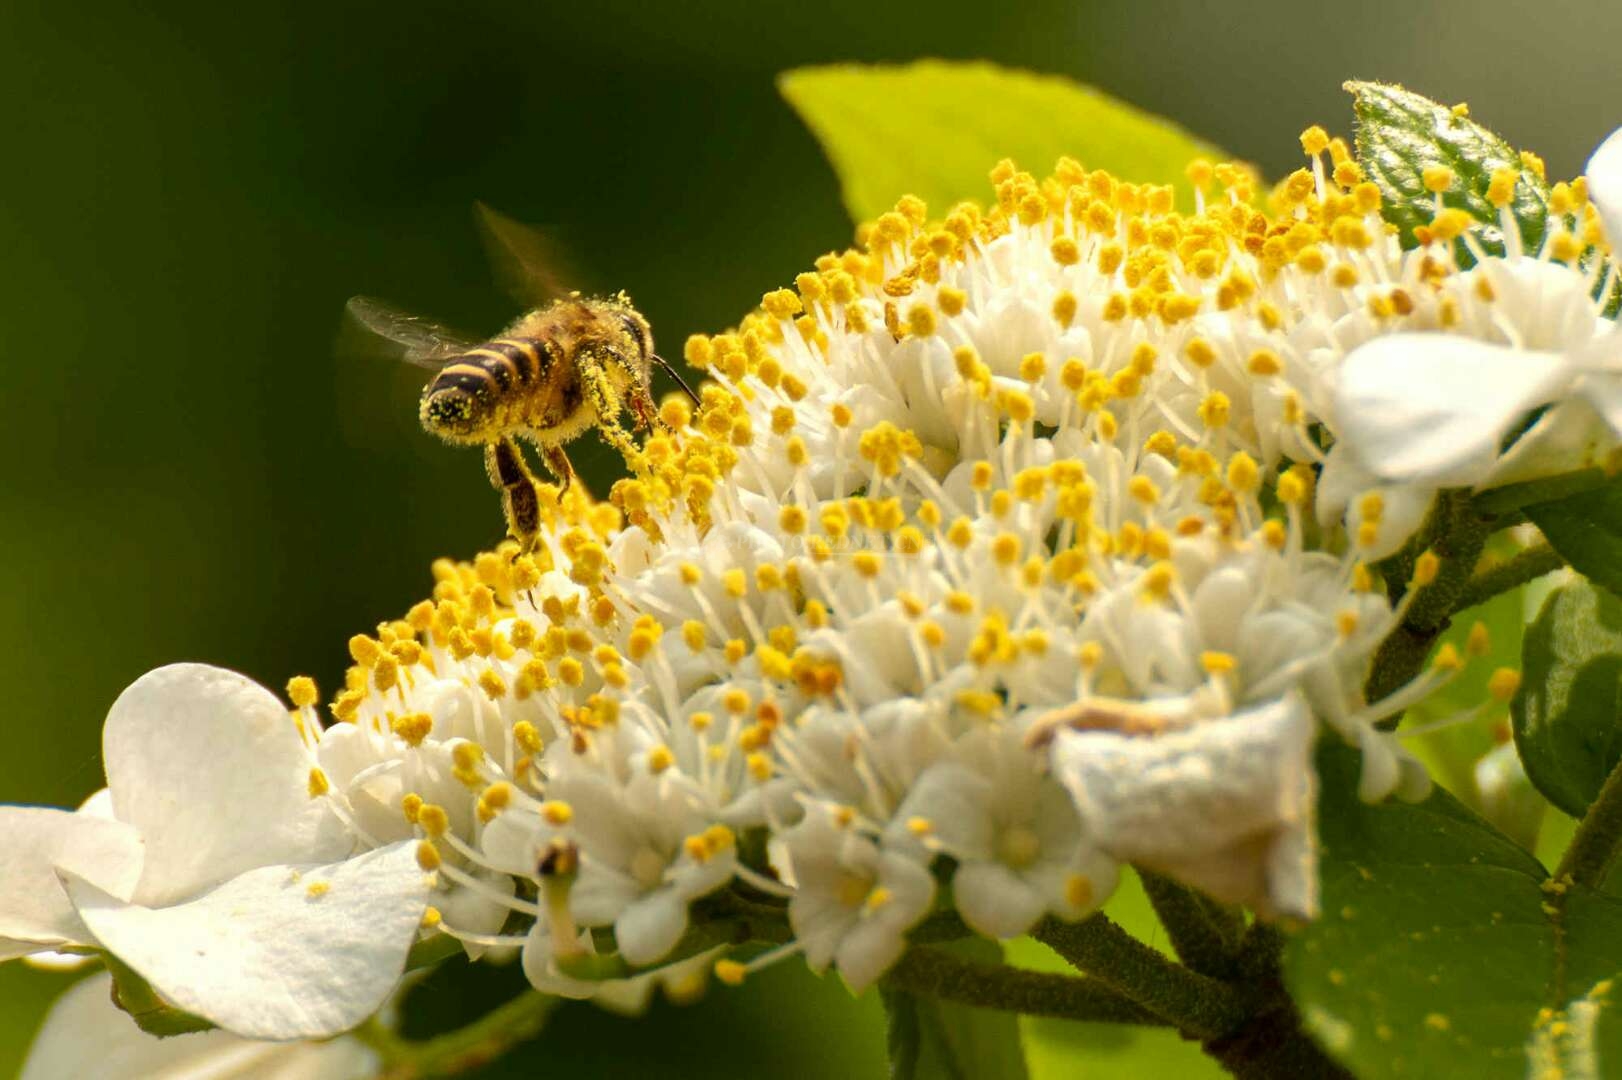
(937, 973)
(1524, 566)
(1204, 933)
(464, 1049)
(1598, 839)
(1199, 1006)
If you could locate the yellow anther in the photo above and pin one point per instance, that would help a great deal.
(318, 784)
(920, 322)
(413, 728)
(428, 859)
(1448, 658)
(1436, 178)
(1479, 641)
(1064, 308)
(1314, 140)
(1218, 663)
(1214, 409)
(1244, 475)
(571, 672)
(1501, 189)
(1006, 549)
(1265, 363)
(433, 819)
(492, 684)
(411, 806)
(730, 972)
(735, 701)
(1503, 683)
(841, 414)
(1078, 891)
(301, 691)
(1426, 568)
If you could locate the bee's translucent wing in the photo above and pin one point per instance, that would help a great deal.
(372, 327)
(530, 263)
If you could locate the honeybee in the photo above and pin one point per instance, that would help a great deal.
(569, 364)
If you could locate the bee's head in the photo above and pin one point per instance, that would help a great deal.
(454, 412)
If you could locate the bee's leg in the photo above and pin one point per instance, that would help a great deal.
(558, 462)
(643, 407)
(592, 365)
(510, 475)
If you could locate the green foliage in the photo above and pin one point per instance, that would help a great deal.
(934, 129)
(1586, 529)
(930, 1039)
(1401, 133)
(1444, 950)
(1568, 713)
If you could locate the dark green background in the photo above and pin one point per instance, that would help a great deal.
(189, 192)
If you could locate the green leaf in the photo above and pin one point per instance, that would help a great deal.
(150, 1012)
(935, 129)
(1586, 529)
(1444, 950)
(929, 1039)
(1401, 133)
(1568, 712)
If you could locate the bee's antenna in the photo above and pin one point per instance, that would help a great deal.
(674, 374)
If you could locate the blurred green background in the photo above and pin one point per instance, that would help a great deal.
(191, 191)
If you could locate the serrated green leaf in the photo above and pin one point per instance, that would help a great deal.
(150, 1012)
(1441, 952)
(930, 1039)
(1568, 712)
(935, 129)
(1586, 529)
(1401, 133)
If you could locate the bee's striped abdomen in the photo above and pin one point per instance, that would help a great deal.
(502, 363)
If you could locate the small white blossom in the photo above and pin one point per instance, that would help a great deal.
(852, 902)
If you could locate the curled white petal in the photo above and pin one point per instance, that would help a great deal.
(280, 952)
(1435, 407)
(33, 908)
(209, 766)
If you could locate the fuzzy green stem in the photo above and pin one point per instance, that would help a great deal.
(464, 1049)
(1524, 566)
(1456, 535)
(937, 973)
(1197, 1005)
(1204, 933)
(1598, 840)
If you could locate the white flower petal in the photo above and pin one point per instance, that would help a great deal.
(1605, 186)
(541, 968)
(279, 952)
(650, 928)
(208, 766)
(1209, 805)
(33, 907)
(994, 900)
(1434, 407)
(85, 1035)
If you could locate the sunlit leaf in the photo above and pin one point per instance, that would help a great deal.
(1568, 713)
(1444, 951)
(1586, 529)
(934, 129)
(1401, 133)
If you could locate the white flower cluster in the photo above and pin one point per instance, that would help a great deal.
(1001, 552)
